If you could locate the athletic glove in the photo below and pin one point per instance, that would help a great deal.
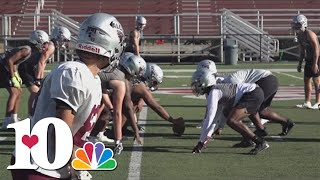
(16, 74)
(15, 82)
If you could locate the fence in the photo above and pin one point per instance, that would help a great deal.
(185, 39)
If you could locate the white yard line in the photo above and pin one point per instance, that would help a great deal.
(176, 77)
(277, 138)
(286, 74)
(136, 155)
(227, 70)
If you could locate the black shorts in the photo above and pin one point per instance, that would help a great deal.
(27, 74)
(251, 101)
(269, 86)
(4, 77)
(308, 71)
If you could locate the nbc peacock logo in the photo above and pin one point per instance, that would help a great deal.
(94, 157)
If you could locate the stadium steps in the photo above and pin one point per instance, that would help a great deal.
(249, 36)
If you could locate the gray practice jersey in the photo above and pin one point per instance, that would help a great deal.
(106, 77)
(246, 76)
(9, 53)
(222, 94)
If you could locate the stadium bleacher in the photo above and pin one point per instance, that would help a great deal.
(125, 10)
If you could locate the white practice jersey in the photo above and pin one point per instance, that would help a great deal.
(74, 84)
(215, 99)
(246, 76)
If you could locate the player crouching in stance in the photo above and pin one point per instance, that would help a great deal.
(141, 92)
(72, 91)
(32, 70)
(11, 80)
(118, 83)
(239, 100)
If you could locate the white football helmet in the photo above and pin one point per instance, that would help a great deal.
(201, 79)
(299, 22)
(101, 34)
(61, 35)
(207, 64)
(134, 65)
(153, 76)
(38, 38)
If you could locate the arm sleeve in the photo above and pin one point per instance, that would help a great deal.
(68, 88)
(212, 106)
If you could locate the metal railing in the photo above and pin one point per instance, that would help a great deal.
(266, 20)
(250, 37)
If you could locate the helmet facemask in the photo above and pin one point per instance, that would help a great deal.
(197, 88)
(201, 80)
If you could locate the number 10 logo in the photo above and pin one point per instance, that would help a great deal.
(34, 144)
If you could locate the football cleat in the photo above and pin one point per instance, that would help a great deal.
(197, 148)
(118, 149)
(286, 128)
(244, 144)
(259, 147)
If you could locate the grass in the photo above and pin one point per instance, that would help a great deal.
(166, 156)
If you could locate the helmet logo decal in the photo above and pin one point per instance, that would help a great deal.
(89, 48)
(91, 33)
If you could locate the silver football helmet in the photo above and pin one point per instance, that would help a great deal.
(39, 38)
(141, 22)
(153, 76)
(61, 35)
(101, 34)
(299, 22)
(207, 64)
(201, 79)
(133, 64)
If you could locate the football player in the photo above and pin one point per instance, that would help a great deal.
(72, 91)
(239, 100)
(118, 81)
(60, 36)
(268, 83)
(134, 43)
(11, 80)
(309, 52)
(32, 70)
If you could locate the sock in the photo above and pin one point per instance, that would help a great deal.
(7, 120)
(15, 117)
(118, 141)
(101, 133)
(257, 140)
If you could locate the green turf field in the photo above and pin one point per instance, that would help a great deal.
(164, 156)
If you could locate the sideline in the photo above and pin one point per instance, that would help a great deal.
(286, 74)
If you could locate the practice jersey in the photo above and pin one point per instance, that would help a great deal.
(246, 76)
(227, 95)
(106, 77)
(9, 53)
(74, 84)
(33, 60)
(306, 44)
